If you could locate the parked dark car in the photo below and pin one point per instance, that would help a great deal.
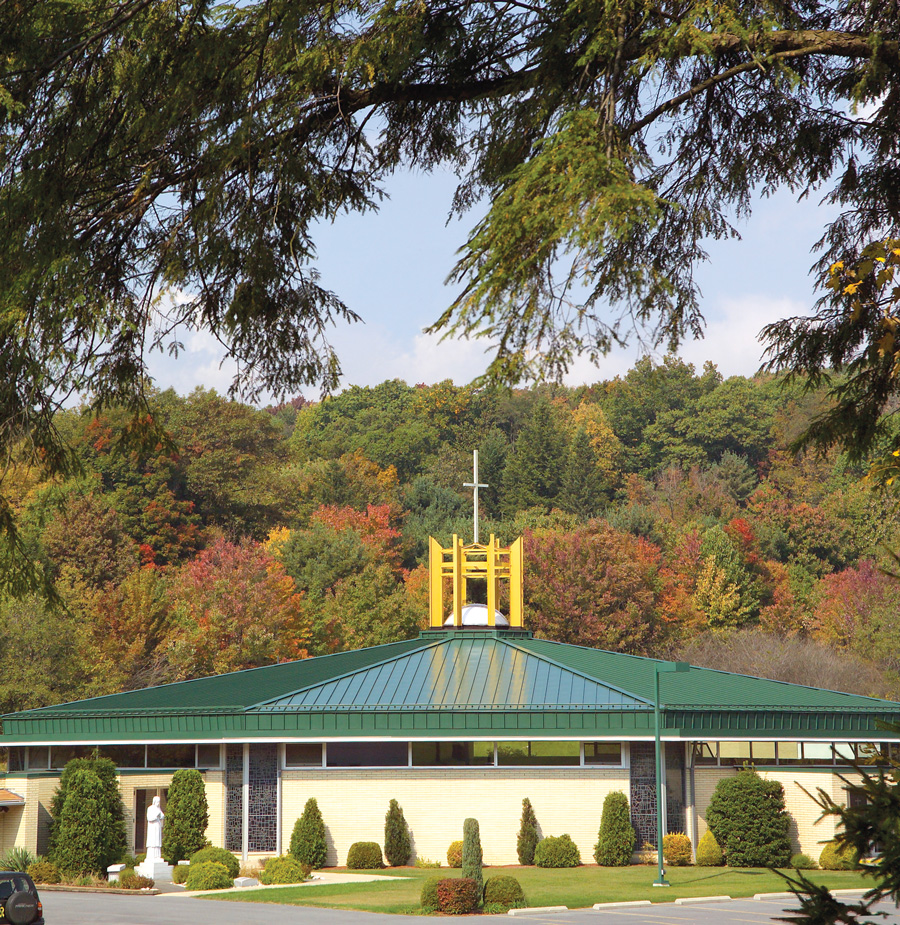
(19, 900)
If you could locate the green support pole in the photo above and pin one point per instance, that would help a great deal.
(661, 875)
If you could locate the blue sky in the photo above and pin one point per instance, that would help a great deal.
(390, 267)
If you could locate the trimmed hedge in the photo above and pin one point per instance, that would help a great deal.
(209, 875)
(458, 896)
(833, 858)
(180, 873)
(44, 872)
(677, 849)
(558, 851)
(616, 838)
(429, 897)
(748, 818)
(505, 891)
(397, 843)
(308, 843)
(454, 854)
(364, 855)
(283, 869)
(187, 816)
(85, 825)
(709, 854)
(803, 862)
(220, 856)
(130, 879)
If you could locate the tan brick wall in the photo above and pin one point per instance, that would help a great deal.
(807, 835)
(215, 797)
(436, 801)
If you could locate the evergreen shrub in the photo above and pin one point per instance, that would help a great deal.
(803, 862)
(835, 858)
(505, 890)
(749, 821)
(84, 826)
(43, 871)
(285, 869)
(472, 858)
(187, 816)
(209, 875)
(458, 896)
(308, 844)
(429, 897)
(558, 851)
(615, 840)
(115, 843)
(397, 844)
(709, 854)
(180, 873)
(454, 854)
(220, 856)
(677, 849)
(528, 834)
(364, 855)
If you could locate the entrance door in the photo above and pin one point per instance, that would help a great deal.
(142, 799)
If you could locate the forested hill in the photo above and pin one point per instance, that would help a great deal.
(663, 513)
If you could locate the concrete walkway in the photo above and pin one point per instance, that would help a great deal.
(319, 878)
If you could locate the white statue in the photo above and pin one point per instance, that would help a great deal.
(155, 818)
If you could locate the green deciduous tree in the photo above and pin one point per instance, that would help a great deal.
(187, 816)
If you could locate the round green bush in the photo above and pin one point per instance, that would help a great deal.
(220, 856)
(558, 851)
(454, 854)
(180, 873)
(709, 854)
(504, 890)
(834, 858)
(283, 869)
(615, 840)
(364, 855)
(429, 897)
(44, 872)
(209, 875)
(677, 849)
(803, 862)
(458, 896)
(747, 816)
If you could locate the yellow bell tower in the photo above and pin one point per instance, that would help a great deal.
(461, 563)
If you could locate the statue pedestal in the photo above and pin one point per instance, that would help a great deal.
(158, 870)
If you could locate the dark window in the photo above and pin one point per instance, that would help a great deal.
(61, 755)
(459, 754)
(15, 760)
(209, 756)
(705, 753)
(367, 754)
(303, 755)
(124, 756)
(170, 756)
(603, 753)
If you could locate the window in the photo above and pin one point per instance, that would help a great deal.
(367, 754)
(763, 752)
(603, 753)
(38, 757)
(170, 756)
(61, 755)
(124, 756)
(817, 753)
(706, 753)
(844, 753)
(538, 753)
(452, 754)
(209, 756)
(734, 752)
(790, 753)
(303, 755)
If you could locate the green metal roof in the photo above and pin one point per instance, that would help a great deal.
(453, 683)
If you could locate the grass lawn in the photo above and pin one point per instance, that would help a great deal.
(576, 887)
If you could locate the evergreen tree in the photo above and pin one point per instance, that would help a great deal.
(397, 845)
(534, 468)
(86, 825)
(583, 491)
(308, 844)
(528, 834)
(615, 841)
(471, 854)
(187, 816)
(105, 770)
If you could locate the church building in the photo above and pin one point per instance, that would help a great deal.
(465, 721)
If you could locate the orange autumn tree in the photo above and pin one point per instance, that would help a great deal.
(234, 607)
